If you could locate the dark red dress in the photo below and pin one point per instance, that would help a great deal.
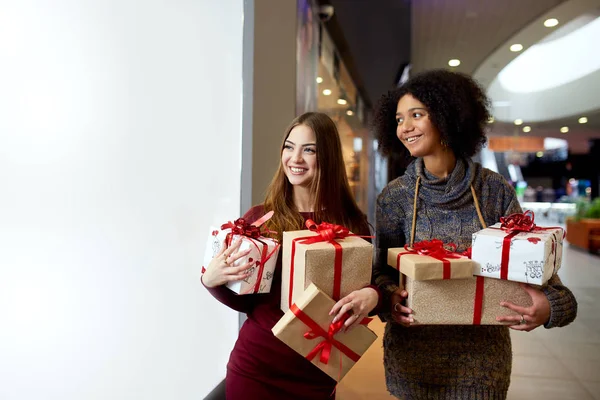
(261, 366)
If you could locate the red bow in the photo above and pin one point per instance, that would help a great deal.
(518, 222)
(433, 248)
(325, 232)
(242, 227)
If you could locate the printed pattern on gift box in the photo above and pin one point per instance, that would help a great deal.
(263, 253)
(518, 250)
(328, 255)
(307, 328)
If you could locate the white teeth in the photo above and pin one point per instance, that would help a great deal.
(412, 138)
(297, 170)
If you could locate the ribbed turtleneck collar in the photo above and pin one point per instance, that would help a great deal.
(448, 192)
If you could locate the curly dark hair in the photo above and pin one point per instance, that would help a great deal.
(458, 108)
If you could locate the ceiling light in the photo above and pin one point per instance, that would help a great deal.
(518, 121)
(342, 101)
(491, 120)
(326, 92)
(564, 129)
(583, 120)
(516, 47)
(349, 112)
(454, 62)
(319, 79)
(540, 154)
(549, 23)
(526, 129)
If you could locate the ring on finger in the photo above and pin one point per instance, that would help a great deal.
(396, 307)
(522, 321)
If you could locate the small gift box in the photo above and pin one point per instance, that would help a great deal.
(430, 260)
(518, 250)
(330, 256)
(307, 328)
(263, 253)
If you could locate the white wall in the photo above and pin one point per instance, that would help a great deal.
(120, 143)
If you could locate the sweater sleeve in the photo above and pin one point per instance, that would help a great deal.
(563, 305)
(240, 303)
(388, 221)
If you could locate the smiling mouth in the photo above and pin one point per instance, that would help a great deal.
(296, 170)
(412, 139)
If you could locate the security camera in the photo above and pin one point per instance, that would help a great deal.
(326, 12)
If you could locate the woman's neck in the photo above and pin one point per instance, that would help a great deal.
(303, 199)
(441, 164)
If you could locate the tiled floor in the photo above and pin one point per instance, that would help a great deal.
(549, 364)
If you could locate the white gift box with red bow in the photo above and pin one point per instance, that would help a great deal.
(531, 254)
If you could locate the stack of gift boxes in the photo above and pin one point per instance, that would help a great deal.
(320, 265)
(447, 288)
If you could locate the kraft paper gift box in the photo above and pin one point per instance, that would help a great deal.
(460, 299)
(307, 329)
(471, 301)
(264, 252)
(337, 267)
(426, 267)
(530, 257)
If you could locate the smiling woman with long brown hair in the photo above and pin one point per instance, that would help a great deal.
(310, 183)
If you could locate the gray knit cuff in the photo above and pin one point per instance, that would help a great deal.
(562, 307)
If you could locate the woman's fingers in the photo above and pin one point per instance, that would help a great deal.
(242, 269)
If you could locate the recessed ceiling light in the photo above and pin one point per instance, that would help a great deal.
(516, 47)
(540, 154)
(349, 112)
(326, 92)
(454, 62)
(583, 120)
(342, 101)
(319, 79)
(564, 129)
(518, 121)
(526, 129)
(550, 23)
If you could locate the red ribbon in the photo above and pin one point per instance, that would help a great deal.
(513, 225)
(478, 306)
(433, 248)
(324, 347)
(326, 232)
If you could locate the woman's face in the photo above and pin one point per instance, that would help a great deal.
(299, 156)
(415, 130)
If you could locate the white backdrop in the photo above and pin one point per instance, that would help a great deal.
(120, 144)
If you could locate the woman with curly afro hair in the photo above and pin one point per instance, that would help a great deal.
(437, 119)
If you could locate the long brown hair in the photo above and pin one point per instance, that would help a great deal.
(333, 201)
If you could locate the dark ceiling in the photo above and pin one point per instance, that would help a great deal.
(373, 40)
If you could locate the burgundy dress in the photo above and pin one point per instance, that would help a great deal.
(261, 366)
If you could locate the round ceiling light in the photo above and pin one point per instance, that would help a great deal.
(326, 92)
(518, 121)
(583, 120)
(515, 48)
(564, 129)
(550, 23)
(319, 79)
(342, 101)
(350, 113)
(526, 129)
(454, 62)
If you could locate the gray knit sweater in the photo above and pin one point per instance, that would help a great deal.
(448, 362)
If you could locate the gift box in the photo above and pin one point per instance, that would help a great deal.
(330, 256)
(306, 327)
(518, 250)
(263, 254)
(429, 260)
(471, 301)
